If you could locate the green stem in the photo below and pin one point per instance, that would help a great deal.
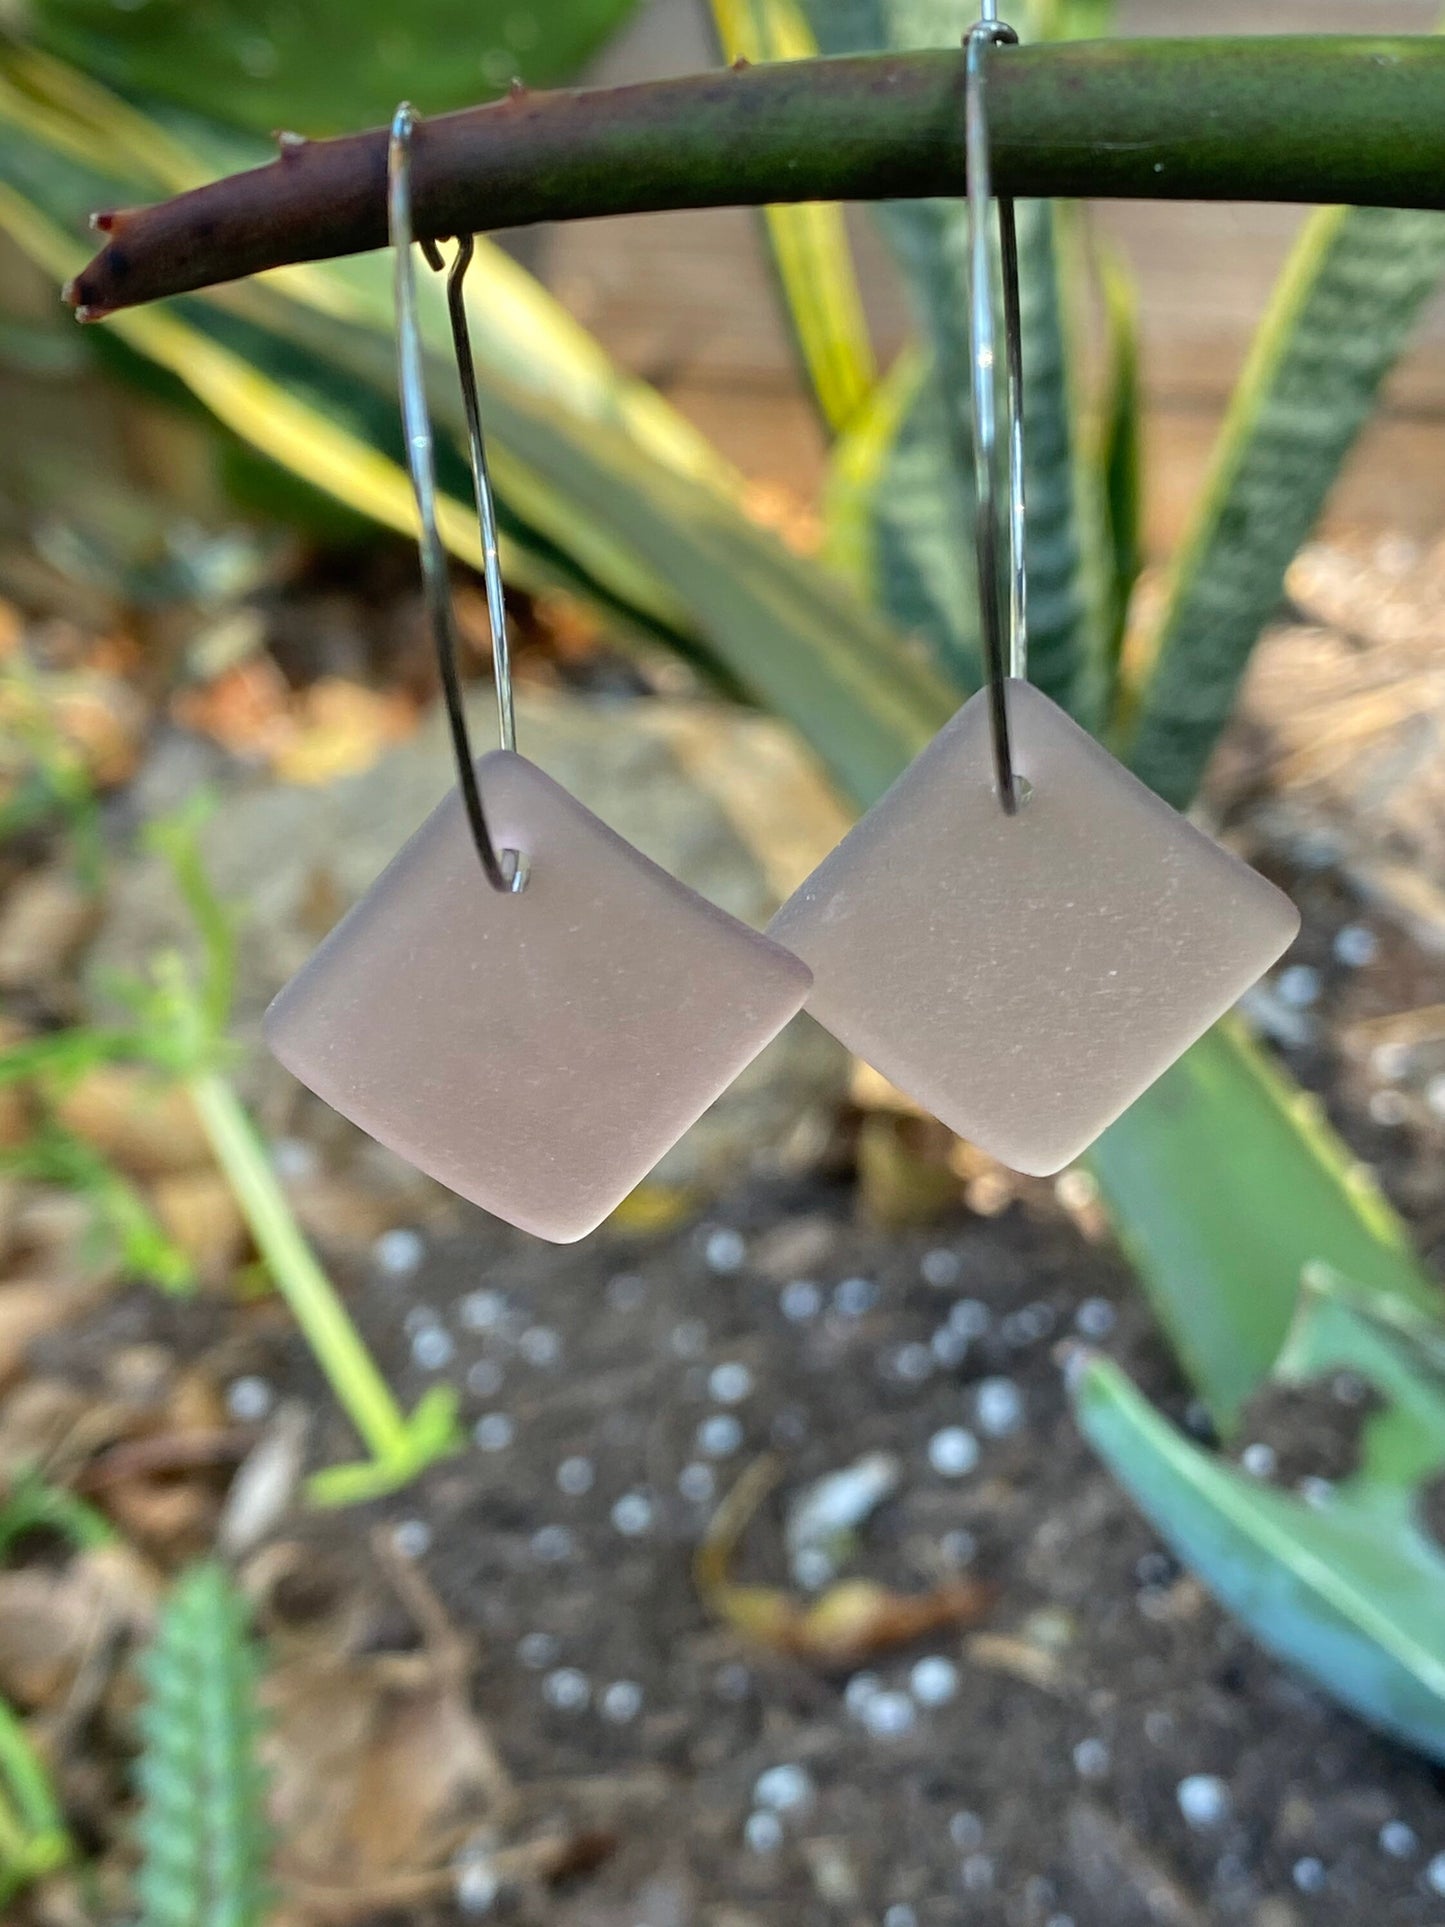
(349, 1367)
(33, 1839)
(14, 1845)
(1330, 118)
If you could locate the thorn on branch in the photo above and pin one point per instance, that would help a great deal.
(290, 144)
(83, 311)
(516, 87)
(740, 65)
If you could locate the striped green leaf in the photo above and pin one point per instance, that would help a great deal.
(860, 460)
(1117, 459)
(924, 501)
(1340, 316)
(808, 242)
(595, 477)
(899, 510)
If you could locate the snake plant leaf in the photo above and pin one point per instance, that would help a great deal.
(1339, 318)
(1225, 1183)
(925, 495)
(860, 456)
(784, 628)
(1118, 461)
(808, 243)
(899, 514)
(62, 137)
(271, 418)
(1346, 1586)
(1058, 600)
(328, 66)
(302, 363)
(1224, 1180)
(514, 321)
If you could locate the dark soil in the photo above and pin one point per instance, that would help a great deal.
(1313, 1431)
(615, 1391)
(1046, 1789)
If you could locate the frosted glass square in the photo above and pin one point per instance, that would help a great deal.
(537, 1052)
(1025, 977)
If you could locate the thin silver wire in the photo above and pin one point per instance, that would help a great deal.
(1005, 640)
(482, 488)
(505, 869)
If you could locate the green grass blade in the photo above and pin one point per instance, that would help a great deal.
(33, 1837)
(808, 243)
(335, 1343)
(1225, 1184)
(176, 839)
(1338, 320)
(122, 1223)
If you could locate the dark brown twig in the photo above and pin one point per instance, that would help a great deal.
(1300, 119)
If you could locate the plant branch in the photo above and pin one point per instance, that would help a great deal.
(1303, 118)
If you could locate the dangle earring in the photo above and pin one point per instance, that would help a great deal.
(537, 1033)
(1020, 935)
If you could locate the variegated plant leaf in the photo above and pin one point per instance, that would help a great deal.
(807, 241)
(1340, 316)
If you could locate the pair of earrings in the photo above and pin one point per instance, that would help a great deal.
(1019, 934)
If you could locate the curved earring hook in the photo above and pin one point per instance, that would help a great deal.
(481, 486)
(1005, 640)
(505, 869)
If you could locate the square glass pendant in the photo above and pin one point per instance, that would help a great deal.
(537, 1052)
(1025, 977)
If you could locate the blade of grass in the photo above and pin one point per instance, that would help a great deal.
(33, 1836)
(393, 1440)
(192, 1021)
